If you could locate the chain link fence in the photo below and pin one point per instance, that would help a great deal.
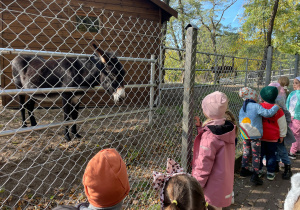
(214, 72)
(39, 167)
(284, 65)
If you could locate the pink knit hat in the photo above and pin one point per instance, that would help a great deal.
(214, 105)
(281, 91)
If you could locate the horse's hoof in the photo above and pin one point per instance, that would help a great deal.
(33, 124)
(78, 136)
(68, 138)
(24, 126)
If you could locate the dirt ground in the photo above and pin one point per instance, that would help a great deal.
(40, 169)
(270, 195)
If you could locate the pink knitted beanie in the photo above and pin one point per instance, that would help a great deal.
(281, 91)
(214, 105)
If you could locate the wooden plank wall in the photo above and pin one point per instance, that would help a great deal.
(124, 28)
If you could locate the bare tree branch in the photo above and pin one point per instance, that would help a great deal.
(212, 24)
(203, 23)
(225, 10)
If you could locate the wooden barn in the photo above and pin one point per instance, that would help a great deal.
(131, 28)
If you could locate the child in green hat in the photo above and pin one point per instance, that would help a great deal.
(275, 129)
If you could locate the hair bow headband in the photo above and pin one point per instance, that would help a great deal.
(160, 179)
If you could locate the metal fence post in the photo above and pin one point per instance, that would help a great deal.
(246, 75)
(269, 65)
(296, 65)
(216, 70)
(160, 76)
(280, 70)
(152, 74)
(188, 97)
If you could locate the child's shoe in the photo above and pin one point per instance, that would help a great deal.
(270, 176)
(292, 156)
(287, 172)
(255, 179)
(245, 172)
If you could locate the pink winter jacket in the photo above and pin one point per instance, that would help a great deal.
(213, 163)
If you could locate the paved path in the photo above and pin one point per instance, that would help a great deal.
(270, 195)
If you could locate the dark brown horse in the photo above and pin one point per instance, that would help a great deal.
(218, 70)
(35, 72)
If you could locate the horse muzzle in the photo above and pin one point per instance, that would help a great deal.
(119, 95)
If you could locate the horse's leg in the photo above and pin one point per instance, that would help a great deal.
(66, 100)
(22, 109)
(30, 107)
(74, 114)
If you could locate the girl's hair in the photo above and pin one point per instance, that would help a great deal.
(206, 121)
(229, 116)
(184, 192)
(284, 81)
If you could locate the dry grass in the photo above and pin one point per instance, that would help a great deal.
(40, 169)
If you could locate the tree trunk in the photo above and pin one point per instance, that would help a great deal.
(214, 43)
(271, 23)
(269, 42)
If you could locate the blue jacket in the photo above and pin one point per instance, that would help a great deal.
(297, 108)
(251, 121)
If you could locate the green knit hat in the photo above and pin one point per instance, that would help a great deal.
(269, 94)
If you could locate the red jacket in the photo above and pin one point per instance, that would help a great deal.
(273, 127)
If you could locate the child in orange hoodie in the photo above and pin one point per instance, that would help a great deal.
(105, 182)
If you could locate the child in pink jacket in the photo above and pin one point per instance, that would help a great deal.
(214, 152)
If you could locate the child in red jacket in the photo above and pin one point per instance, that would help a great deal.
(274, 128)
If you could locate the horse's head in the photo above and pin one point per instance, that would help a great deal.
(112, 75)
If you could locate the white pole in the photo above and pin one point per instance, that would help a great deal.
(152, 77)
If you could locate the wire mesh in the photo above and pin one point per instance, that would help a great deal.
(39, 169)
(284, 65)
(227, 74)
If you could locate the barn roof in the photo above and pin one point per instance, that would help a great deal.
(167, 10)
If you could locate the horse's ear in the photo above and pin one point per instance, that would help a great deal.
(101, 53)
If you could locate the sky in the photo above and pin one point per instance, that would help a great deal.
(231, 16)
